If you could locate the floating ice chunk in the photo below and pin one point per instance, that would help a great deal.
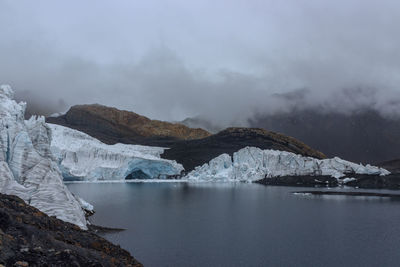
(348, 180)
(85, 205)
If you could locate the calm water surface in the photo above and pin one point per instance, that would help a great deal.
(179, 224)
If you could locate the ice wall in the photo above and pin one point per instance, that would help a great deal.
(83, 157)
(27, 168)
(251, 164)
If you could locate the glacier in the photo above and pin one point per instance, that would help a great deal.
(27, 166)
(84, 158)
(251, 164)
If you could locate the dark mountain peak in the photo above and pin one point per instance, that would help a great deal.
(260, 134)
(192, 153)
(363, 135)
(391, 165)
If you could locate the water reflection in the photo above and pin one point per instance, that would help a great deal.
(240, 224)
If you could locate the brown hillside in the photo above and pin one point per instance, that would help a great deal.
(111, 125)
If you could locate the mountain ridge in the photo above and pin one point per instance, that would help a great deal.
(193, 153)
(190, 147)
(111, 125)
(364, 135)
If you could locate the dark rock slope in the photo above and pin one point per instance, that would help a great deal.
(111, 125)
(363, 136)
(192, 153)
(29, 237)
(391, 165)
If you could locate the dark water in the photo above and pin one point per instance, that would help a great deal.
(176, 224)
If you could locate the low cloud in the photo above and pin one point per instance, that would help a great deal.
(175, 62)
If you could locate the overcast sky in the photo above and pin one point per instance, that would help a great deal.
(224, 59)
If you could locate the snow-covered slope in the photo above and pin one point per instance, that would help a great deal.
(83, 157)
(27, 168)
(251, 164)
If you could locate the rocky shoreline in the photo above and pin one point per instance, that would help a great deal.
(97, 229)
(28, 237)
(391, 181)
(306, 181)
(355, 194)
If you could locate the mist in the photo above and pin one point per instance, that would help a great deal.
(222, 60)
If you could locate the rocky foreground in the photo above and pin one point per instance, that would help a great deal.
(29, 237)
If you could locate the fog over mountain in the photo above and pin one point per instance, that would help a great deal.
(226, 61)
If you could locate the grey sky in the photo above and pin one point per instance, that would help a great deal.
(225, 59)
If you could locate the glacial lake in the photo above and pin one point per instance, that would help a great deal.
(240, 224)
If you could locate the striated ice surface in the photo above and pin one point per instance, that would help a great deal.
(251, 164)
(82, 157)
(27, 168)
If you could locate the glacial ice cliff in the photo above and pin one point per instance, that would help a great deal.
(252, 164)
(82, 157)
(27, 168)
